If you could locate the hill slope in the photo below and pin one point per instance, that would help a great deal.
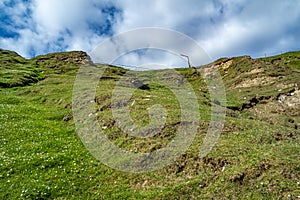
(257, 154)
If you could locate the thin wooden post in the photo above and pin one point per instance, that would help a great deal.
(188, 59)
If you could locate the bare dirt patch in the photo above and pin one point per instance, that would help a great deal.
(258, 81)
(255, 71)
(225, 65)
(273, 110)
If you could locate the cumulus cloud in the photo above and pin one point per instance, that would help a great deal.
(260, 27)
(221, 27)
(47, 26)
(148, 44)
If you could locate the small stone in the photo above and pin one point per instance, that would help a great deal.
(281, 98)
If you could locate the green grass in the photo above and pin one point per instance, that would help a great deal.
(17, 71)
(42, 157)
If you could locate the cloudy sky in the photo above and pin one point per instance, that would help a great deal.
(223, 28)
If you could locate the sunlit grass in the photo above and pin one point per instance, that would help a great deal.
(42, 157)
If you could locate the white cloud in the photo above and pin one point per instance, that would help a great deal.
(222, 28)
(57, 26)
(259, 28)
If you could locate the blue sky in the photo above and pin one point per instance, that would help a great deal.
(223, 28)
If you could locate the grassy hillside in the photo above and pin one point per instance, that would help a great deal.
(256, 157)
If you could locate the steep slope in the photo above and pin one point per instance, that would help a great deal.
(268, 88)
(256, 157)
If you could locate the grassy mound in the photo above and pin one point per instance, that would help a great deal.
(17, 71)
(256, 157)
